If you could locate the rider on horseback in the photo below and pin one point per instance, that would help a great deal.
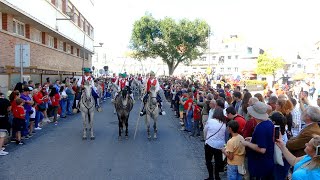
(87, 77)
(152, 81)
(122, 83)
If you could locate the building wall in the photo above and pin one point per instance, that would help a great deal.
(47, 13)
(41, 56)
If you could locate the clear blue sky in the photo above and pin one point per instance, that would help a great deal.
(283, 25)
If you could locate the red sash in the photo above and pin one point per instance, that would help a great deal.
(149, 84)
(114, 79)
(122, 83)
(83, 79)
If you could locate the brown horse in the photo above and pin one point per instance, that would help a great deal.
(123, 104)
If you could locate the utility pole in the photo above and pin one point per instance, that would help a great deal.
(21, 62)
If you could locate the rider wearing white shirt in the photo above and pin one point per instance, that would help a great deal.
(88, 78)
(152, 81)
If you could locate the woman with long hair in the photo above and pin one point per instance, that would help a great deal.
(245, 103)
(285, 107)
(214, 133)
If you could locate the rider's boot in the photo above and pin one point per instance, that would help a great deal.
(131, 95)
(161, 112)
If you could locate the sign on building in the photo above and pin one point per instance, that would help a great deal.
(22, 55)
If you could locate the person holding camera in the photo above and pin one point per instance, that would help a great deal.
(307, 166)
(311, 117)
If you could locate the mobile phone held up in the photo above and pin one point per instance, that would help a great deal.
(276, 132)
(318, 150)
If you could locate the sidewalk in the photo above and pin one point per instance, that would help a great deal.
(196, 145)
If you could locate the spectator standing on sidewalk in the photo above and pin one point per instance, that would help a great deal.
(28, 102)
(235, 152)
(63, 101)
(214, 132)
(196, 119)
(19, 123)
(261, 145)
(71, 95)
(55, 100)
(5, 107)
(311, 116)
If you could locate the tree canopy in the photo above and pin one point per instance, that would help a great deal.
(268, 65)
(174, 42)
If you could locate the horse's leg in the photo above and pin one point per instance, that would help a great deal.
(127, 118)
(155, 128)
(84, 121)
(91, 124)
(148, 125)
(120, 127)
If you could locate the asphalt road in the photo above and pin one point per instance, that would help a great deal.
(58, 152)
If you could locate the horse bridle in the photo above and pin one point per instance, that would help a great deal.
(86, 100)
(153, 97)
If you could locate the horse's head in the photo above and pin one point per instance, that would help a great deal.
(153, 95)
(124, 92)
(87, 89)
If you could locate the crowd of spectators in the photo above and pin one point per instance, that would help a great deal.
(238, 130)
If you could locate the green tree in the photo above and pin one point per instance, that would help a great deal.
(174, 42)
(268, 65)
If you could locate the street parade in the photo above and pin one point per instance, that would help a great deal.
(159, 90)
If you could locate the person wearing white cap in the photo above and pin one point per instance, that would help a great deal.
(152, 81)
(261, 145)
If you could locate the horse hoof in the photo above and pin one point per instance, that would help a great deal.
(155, 136)
(127, 137)
(84, 138)
(92, 138)
(119, 138)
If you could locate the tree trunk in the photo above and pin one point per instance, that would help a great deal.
(171, 69)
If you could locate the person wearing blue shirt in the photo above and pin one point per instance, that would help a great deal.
(306, 167)
(260, 147)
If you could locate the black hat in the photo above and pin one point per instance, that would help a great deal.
(27, 89)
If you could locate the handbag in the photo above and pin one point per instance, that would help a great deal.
(241, 169)
(215, 132)
(277, 155)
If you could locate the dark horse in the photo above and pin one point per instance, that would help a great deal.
(123, 104)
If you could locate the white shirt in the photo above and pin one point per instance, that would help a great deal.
(211, 111)
(157, 86)
(212, 127)
(33, 115)
(86, 78)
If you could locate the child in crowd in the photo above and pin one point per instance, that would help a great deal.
(196, 119)
(32, 120)
(235, 152)
(19, 120)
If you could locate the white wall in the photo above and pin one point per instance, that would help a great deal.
(43, 11)
(86, 8)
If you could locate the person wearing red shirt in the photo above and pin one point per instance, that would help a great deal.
(187, 105)
(152, 81)
(19, 120)
(55, 101)
(232, 115)
(196, 119)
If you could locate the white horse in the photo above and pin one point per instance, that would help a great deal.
(87, 108)
(152, 111)
(114, 89)
(135, 86)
